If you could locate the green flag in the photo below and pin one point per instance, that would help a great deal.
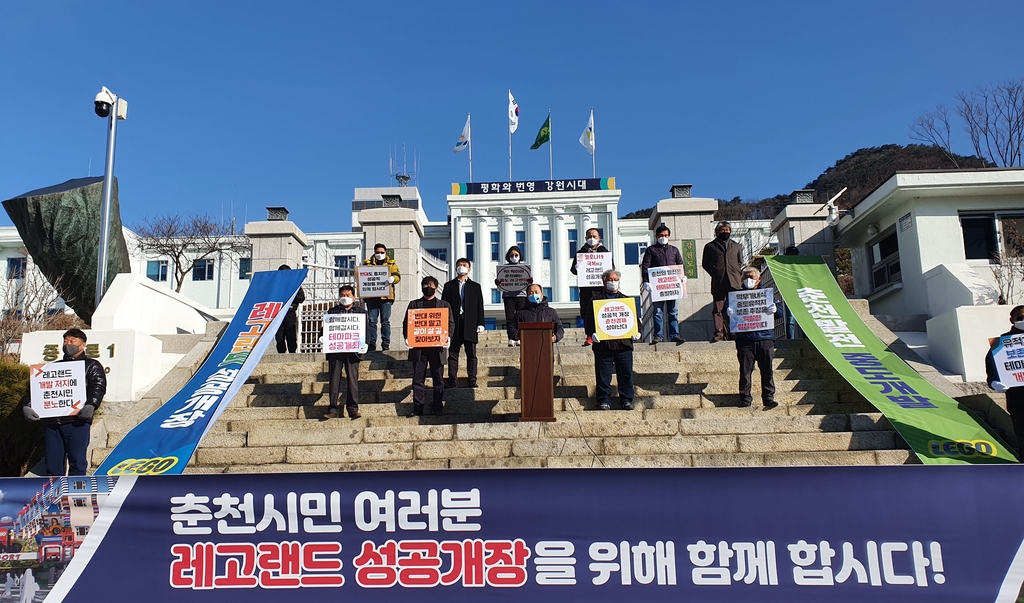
(544, 135)
(938, 429)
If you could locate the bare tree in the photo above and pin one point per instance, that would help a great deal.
(933, 127)
(186, 241)
(1008, 271)
(994, 118)
(30, 304)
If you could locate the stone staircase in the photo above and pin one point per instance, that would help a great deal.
(687, 414)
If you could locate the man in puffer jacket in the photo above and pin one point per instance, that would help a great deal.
(536, 310)
(756, 346)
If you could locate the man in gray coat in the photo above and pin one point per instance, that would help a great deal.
(723, 262)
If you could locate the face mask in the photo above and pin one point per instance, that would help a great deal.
(724, 236)
(749, 283)
(380, 256)
(462, 270)
(662, 240)
(593, 242)
(429, 291)
(70, 350)
(535, 298)
(1019, 324)
(612, 286)
(347, 301)
(513, 259)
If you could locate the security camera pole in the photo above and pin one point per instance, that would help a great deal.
(116, 108)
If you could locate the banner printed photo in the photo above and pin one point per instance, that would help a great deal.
(615, 318)
(373, 281)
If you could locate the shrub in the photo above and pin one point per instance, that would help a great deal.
(21, 442)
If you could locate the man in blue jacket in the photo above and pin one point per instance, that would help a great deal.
(756, 346)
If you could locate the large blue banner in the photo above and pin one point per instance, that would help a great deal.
(936, 533)
(164, 442)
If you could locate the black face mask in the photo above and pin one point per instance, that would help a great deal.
(429, 291)
(724, 236)
(71, 350)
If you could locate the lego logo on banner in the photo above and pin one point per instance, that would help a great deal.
(615, 318)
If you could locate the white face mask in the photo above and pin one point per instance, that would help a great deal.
(662, 240)
(612, 286)
(749, 283)
(593, 242)
(380, 256)
(347, 301)
(514, 259)
(462, 270)
(1019, 324)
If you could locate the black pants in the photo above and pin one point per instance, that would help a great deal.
(1015, 406)
(761, 351)
(453, 359)
(719, 299)
(69, 441)
(622, 362)
(512, 305)
(429, 359)
(335, 364)
(587, 307)
(286, 335)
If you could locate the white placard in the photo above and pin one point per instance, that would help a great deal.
(667, 283)
(513, 277)
(1009, 358)
(344, 333)
(750, 310)
(58, 388)
(373, 281)
(590, 267)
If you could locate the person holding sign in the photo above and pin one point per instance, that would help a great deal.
(658, 255)
(613, 336)
(514, 299)
(425, 344)
(379, 308)
(755, 345)
(467, 302)
(67, 437)
(591, 245)
(1014, 390)
(537, 310)
(349, 361)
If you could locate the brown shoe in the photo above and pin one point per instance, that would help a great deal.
(718, 337)
(332, 414)
(354, 414)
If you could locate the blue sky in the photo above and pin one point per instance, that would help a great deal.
(296, 104)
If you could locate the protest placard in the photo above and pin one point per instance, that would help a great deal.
(667, 283)
(58, 388)
(1008, 353)
(615, 318)
(373, 281)
(750, 310)
(428, 327)
(590, 267)
(344, 333)
(513, 277)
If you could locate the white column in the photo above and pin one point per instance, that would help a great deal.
(458, 249)
(508, 232)
(482, 243)
(533, 250)
(584, 223)
(560, 257)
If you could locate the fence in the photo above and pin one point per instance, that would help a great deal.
(321, 289)
(767, 280)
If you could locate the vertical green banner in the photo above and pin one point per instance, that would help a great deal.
(688, 249)
(937, 428)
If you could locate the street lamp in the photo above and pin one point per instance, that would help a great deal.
(110, 106)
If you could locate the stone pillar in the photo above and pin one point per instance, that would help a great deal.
(533, 251)
(482, 242)
(459, 237)
(584, 224)
(275, 242)
(805, 225)
(508, 233)
(559, 258)
(690, 218)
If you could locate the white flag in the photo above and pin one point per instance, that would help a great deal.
(464, 139)
(513, 113)
(587, 138)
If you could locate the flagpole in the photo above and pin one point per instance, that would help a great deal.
(510, 143)
(593, 156)
(551, 169)
(469, 118)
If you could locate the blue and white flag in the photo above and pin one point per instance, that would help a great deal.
(464, 139)
(587, 138)
(513, 113)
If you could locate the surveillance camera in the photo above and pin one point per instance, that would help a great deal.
(104, 100)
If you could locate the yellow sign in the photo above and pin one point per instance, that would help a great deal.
(615, 318)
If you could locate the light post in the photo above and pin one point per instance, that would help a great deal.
(110, 106)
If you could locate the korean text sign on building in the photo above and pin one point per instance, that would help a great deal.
(428, 327)
(373, 281)
(1008, 354)
(344, 333)
(667, 283)
(58, 389)
(590, 267)
(615, 318)
(513, 277)
(750, 310)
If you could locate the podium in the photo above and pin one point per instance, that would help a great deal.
(536, 371)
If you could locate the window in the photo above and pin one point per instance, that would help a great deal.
(244, 269)
(490, 324)
(203, 270)
(440, 253)
(979, 237)
(521, 240)
(16, 268)
(495, 296)
(545, 244)
(495, 247)
(79, 485)
(634, 253)
(469, 245)
(574, 294)
(573, 242)
(345, 265)
(885, 261)
(547, 293)
(81, 530)
(156, 270)
(78, 501)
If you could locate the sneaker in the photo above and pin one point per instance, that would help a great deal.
(589, 341)
(604, 406)
(370, 347)
(627, 406)
(385, 347)
(679, 340)
(332, 414)
(770, 404)
(656, 340)
(354, 414)
(511, 343)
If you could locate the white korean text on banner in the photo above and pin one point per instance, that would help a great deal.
(344, 333)
(373, 281)
(513, 277)
(57, 389)
(750, 310)
(590, 267)
(667, 283)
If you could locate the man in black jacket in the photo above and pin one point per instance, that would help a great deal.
(345, 360)
(1014, 393)
(658, 255)
(536, 310)
(287, 335)
(617, 353)
(591, 245)
(722, 261)
(67, 438)
(467, 302)
(423, 359)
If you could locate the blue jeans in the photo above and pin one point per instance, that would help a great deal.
(622, 363)
(70, 441)
(378, 308)
(672, 308)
